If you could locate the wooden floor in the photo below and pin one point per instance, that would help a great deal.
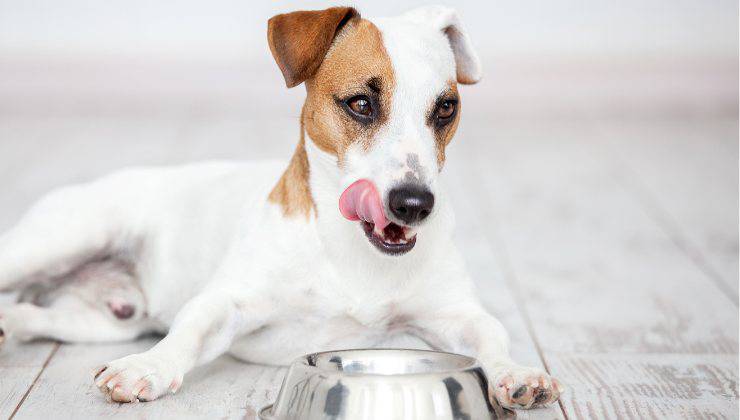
(608, 247)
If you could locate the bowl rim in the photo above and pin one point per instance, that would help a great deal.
(472, 363)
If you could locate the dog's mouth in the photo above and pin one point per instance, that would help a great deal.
(361, 202)
(392, 240)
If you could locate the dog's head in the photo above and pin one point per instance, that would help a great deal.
(382, 103)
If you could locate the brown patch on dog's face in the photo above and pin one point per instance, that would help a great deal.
(443, 117)
(349, 97)
(348, 94)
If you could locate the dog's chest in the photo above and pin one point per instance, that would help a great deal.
(319, 328)
(387, 316)
(362, 311)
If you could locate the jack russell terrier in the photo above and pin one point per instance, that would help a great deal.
(255, 259)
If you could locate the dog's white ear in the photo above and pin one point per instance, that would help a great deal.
(468, 66)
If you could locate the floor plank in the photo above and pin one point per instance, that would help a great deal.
(648, 386)
(224, 389)
(19, 368)
(687, 182)
(602, 280)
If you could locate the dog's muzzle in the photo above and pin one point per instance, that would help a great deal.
(361, 202)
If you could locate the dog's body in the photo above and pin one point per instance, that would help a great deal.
(222, 259)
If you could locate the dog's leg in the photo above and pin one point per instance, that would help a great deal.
(202, 330)
(99, 302)
(58, 233)
(467, 328)
(70, 322)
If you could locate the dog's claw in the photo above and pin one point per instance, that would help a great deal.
(98, 371)
(558, 386)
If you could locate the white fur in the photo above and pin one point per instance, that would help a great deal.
(222, 270)
(445, 20)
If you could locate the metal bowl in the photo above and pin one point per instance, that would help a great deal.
(384, 384)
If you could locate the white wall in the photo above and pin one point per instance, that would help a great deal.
(236, 28)
(541, 58)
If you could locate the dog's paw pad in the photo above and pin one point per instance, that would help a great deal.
(521, 387)
(136, 378)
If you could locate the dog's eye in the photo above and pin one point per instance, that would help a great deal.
(446, 110)
(360, 105)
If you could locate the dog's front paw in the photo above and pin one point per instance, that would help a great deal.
(139, 377)
(517, 386)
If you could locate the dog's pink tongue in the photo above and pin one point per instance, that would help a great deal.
(361, 201)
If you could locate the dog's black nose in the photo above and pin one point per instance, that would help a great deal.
(410, 203)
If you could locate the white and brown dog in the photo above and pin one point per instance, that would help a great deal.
(255, 259)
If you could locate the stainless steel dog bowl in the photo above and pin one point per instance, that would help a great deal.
(384, 384)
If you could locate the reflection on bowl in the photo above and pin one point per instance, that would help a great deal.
(384, 384)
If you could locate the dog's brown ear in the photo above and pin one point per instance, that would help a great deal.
(300, 40)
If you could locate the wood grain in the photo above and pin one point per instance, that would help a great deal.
(648, 386)
(19, 368)
(603, 282)
(687, 182)
(224, 389)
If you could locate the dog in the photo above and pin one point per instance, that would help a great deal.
(348, 244)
